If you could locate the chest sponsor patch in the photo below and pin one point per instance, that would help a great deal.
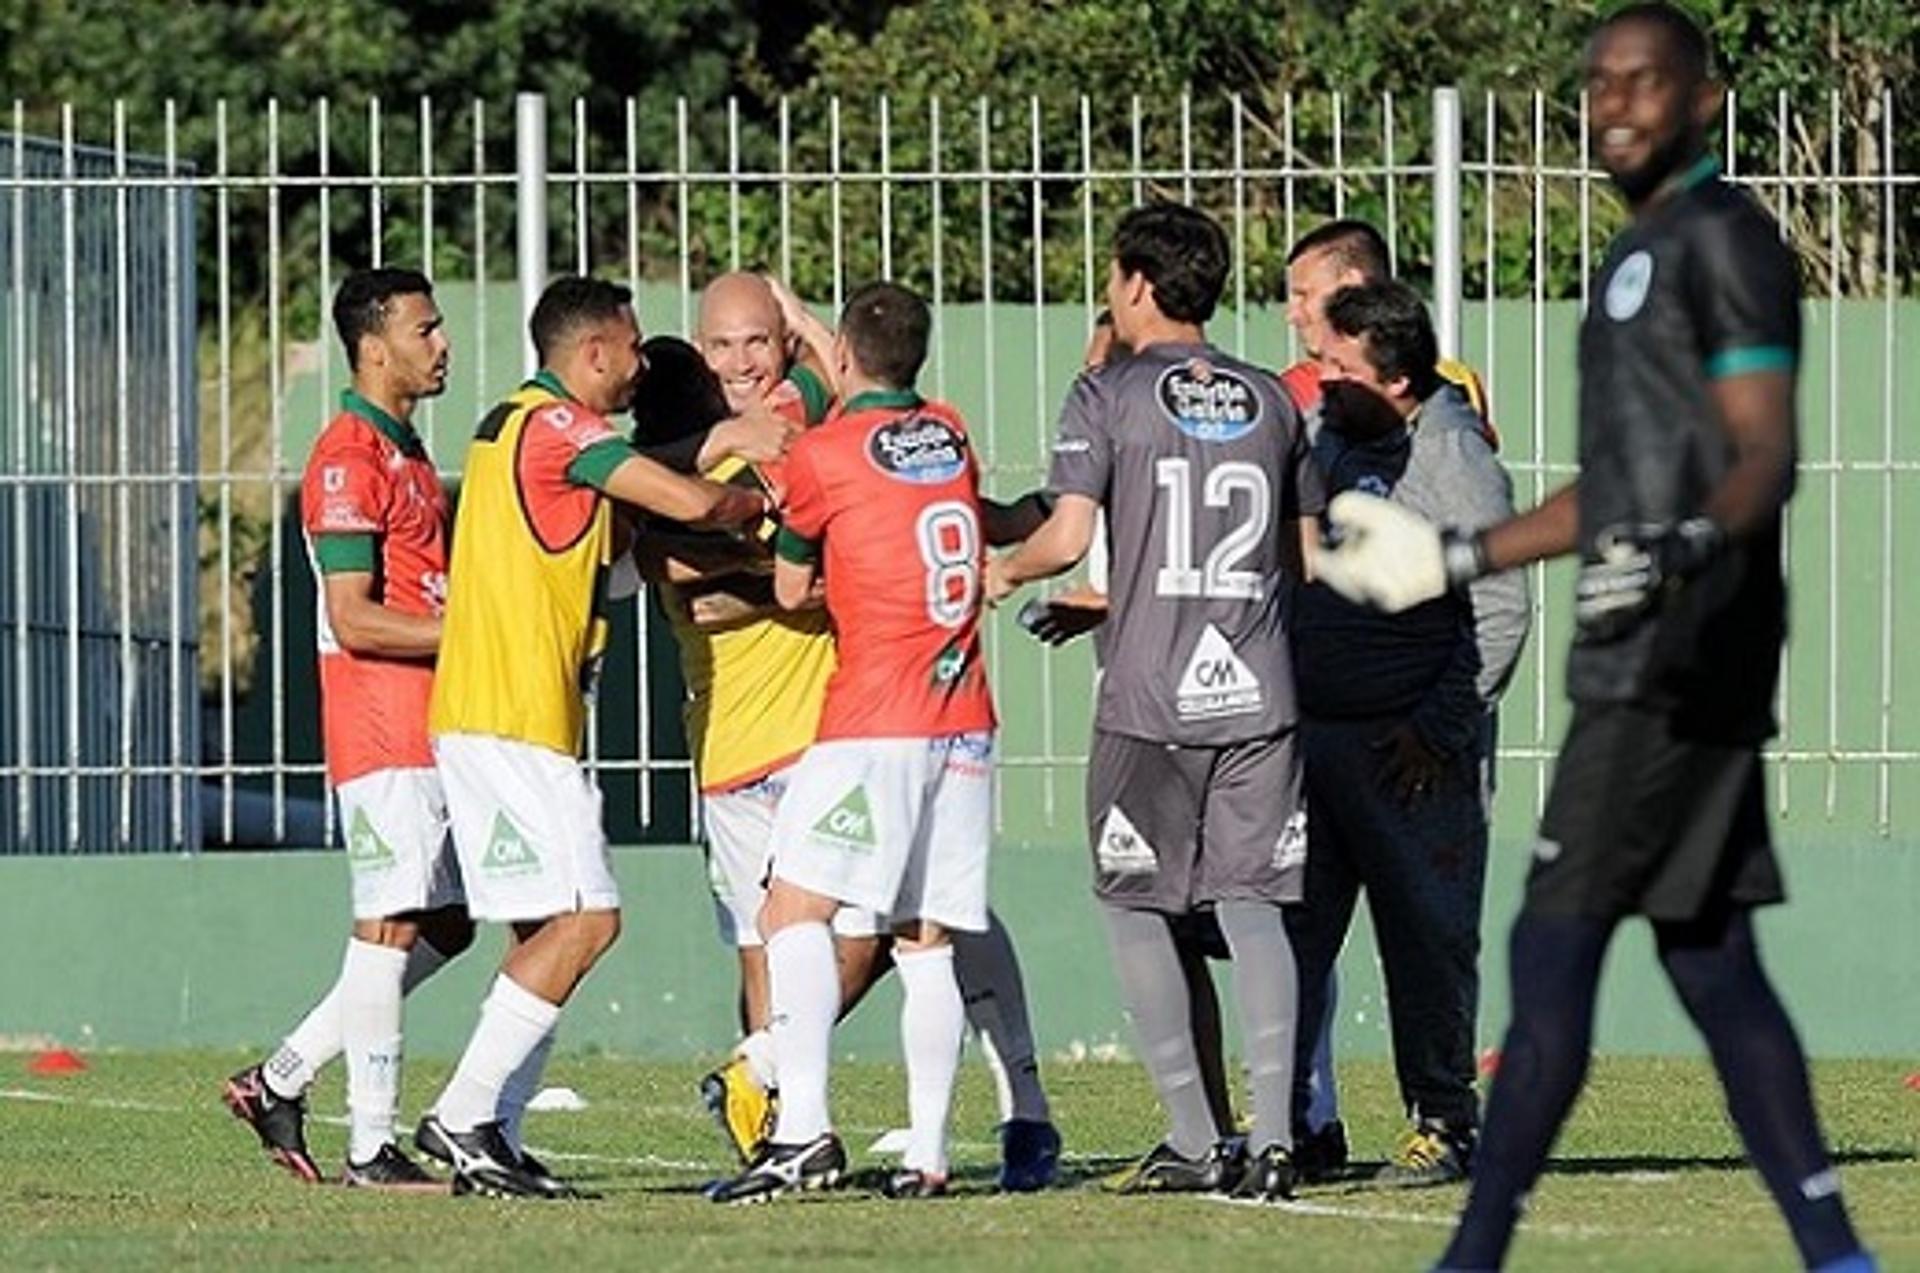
(1627, 289)
(1208, 403)
(924, 450)
(1122, 849)
(1217, 682)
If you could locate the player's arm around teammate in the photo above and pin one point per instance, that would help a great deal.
(533, 544)
(889, 809)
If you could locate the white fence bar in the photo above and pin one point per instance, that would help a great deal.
(1448, 217)
(530, 209)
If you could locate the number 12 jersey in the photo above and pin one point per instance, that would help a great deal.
(1201, 464)
(886, 497)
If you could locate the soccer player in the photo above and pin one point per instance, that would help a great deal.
(756, 677)
(1688, 361)
(524, 634)
(1193, 784)
(1397, 724)
(376, 526)
(890, 808)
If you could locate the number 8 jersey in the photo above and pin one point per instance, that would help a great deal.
(1201, 463)
(885, 496)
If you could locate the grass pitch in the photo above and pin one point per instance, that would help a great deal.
(136, 1163)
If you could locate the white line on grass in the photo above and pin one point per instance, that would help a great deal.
(97, 1102)
(1338, 1211)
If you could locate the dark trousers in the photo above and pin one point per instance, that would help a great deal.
(1422, 865)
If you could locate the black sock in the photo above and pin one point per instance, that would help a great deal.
(1555, 966)
(1715, 966)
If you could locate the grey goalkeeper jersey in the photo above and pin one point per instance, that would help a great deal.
(1200, 461)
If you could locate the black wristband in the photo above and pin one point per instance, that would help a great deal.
(1694, 544)
(1464, 556)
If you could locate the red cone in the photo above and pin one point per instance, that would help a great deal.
(1912, 1082)
(1489, 1062)
(56, 1062)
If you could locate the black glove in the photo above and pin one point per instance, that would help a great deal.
(1637, 566)
(1056, 621)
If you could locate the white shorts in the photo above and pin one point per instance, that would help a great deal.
(740, 856)
(526, 823)
(395, 824)
(898, 825)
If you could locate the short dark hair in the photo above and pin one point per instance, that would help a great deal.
(570, 303)
(680, 395)
(1392, 320)
(1356, 245)
(360, 304)
(1688, 41)
(1182, 251)
(886, 326)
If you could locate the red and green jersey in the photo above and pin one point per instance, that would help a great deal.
(371, 503)
(886, 497)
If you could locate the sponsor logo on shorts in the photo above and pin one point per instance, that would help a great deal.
(968, 755)
(1122, 850)
(919, 449)
(849, 824)
(1073, 446)
(1546, 850)
(1217, 681)
(508, 853)
(1290, 850)
(1207, 402)
(366, 851)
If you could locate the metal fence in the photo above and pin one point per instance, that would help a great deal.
(999, 213)
(97, 528)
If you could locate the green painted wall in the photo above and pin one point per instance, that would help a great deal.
(225, 949)
(1008, 368)
(229, 949)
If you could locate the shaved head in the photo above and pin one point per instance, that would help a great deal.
(743, 337)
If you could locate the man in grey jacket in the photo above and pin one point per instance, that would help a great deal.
(1397, 722)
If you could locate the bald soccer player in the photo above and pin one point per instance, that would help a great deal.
(756, 677)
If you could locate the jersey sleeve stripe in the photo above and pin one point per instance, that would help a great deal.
(795, 547)
(1750, 358)
(344, 554)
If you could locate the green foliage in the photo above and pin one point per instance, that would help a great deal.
(633, 69)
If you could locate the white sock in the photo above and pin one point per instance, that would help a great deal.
(932, 1020)
(317, 1040)
(513, 1021)
(996, 1002)
(369, 998)
(520, 1088)
(804, 985)
(758, 1052)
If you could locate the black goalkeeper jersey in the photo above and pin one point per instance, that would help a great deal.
(1697, 288)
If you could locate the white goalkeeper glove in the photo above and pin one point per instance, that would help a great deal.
(1381, 555)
